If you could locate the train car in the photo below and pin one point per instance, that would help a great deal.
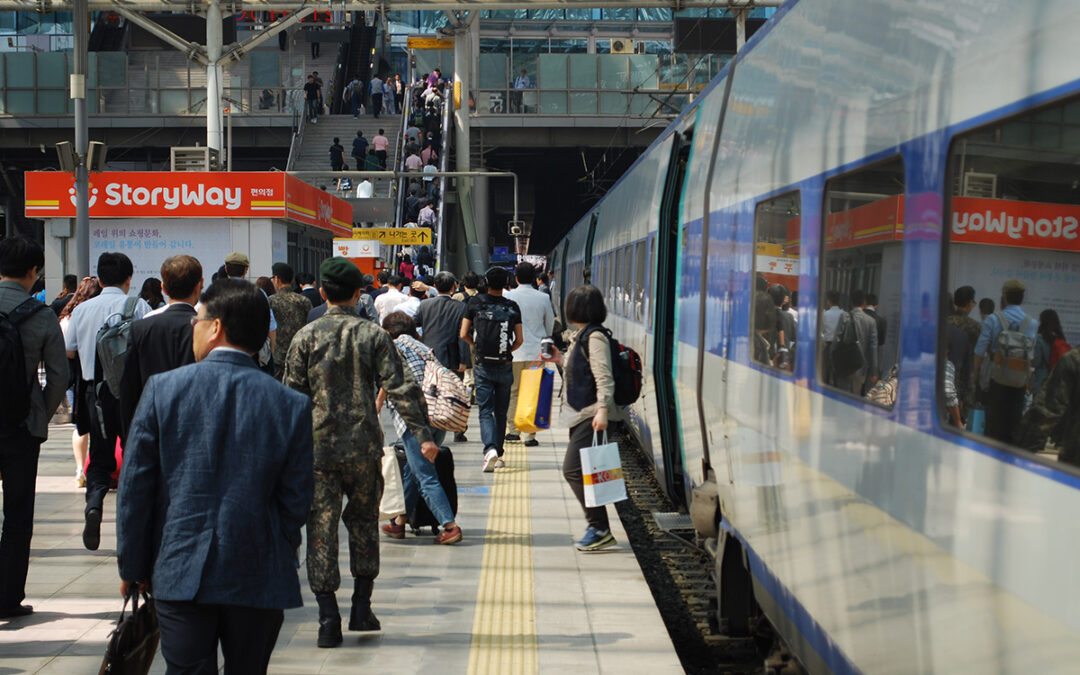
(896, 151)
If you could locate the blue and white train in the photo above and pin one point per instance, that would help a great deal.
(904, 148)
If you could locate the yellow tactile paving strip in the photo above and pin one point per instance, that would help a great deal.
(504, 630)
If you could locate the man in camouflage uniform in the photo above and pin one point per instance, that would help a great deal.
(963, 302)
(1053, 413)
(291, 310)
(340, 360)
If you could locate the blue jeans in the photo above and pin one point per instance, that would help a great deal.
(355, 102)
(493, 382)
(421, 479)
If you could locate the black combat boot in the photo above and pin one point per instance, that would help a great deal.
(361, 617)
(329, 620)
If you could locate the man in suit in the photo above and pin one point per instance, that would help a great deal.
(872, 310)
(307, 288)
(214, 492)
(866, 333)
(161, 341)
(71, 283)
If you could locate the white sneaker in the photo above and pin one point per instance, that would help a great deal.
(490, 460)
(500, 464)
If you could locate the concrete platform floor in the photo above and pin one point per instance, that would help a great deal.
(513, 596)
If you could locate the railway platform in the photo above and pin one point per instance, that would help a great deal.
(513, 597)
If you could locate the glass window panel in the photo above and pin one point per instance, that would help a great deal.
(773, 329)
(610, 14)
(112, 69)
(612, 103)
(861, 277)
(431, 20)
(491, 102)
(642, 104)
(568, 46)
(583, 103)
(580, 14)
(52, 70)
(173, 101)
(20, 102)
(493, 71)
(1013, 218)
(553, 102)
(19, 67)
(265, 69)
(52, 101)
(649, 290)
(553, 71)
(583, 71)
(615, 303)
(654, 15)
(637, 300)
(644, 71)
(525, 54)
(614, 73)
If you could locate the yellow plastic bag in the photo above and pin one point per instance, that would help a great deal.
(534, 400)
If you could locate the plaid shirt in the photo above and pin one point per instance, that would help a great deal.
(413, 355)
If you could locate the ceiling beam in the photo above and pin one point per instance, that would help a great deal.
(46, 6)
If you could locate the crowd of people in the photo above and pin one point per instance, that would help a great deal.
(177, 387)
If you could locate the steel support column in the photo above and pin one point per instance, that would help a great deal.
(213, 76)
(80, 266)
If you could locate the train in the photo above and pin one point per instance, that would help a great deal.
(896, 149)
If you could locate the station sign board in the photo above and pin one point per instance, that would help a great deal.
(394, 236)
(428, 42)
(189, 194)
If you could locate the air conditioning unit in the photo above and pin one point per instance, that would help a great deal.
(622, 46)
(980, 185)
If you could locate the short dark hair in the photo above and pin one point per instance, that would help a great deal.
(444, 282)
(368, 280)
(525, 273)
(336, 292)
(871, 299)
(858, 297)
(18, 255)
(380, 132)
(235, 270)
(71, 282)
(114, 269)
(395, 280)
(283, 271)
(1014, 297)
(336, 140)
(470, 280)
(778, 292)
(585, 304)
(243, 311)
(832, 297)
(986, 306)
(383, 276)
(497, 278)
(399, 323)
(180, 274)
(305, 278)
(963, 296)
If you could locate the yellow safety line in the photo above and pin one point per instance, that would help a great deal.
(504, 630)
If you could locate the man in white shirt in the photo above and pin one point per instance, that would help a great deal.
(388, 302)
(364, 190)
(537, 323)
(426, 217)
(114, 272)
(830, 318)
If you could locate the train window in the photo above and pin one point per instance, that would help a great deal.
(1011, 274)
(862, 243)
(638, 297)
(776, 277)
(649, 282)
(620, 281)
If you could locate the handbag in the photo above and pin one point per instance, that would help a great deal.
(133, 643)
(533, 411)
(392, 503)
(601, 471)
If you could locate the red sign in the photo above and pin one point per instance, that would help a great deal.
(875, 222)
(1011, 223)
(189, 194)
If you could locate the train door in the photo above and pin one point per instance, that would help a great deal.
(589, 239)
(667, 251)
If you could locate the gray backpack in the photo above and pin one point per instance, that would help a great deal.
(1013, 352)
(112, 345)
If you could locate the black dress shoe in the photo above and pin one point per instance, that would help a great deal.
(91, 534)
(460, 437)
(16, 611)
(512, 437)
(532, 443)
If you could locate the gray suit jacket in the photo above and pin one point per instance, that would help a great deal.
(866, 330)
(216, 484)
(42, 342)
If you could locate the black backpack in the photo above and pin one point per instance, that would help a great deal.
(13, 367)
(847, 355)
(494, 332)
(626, 367)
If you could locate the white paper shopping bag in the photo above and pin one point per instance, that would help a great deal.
(601, 471)
(393, 493)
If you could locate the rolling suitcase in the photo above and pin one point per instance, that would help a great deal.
(444, 465)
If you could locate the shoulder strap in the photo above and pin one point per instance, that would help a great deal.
(1002, 320)
(1024, 324)
(129, 307)
(25, 310)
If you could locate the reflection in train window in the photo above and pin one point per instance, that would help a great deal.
(649, 290)
(863, 232)
(626, 273)
(640, 277)
(773, 321)
(1007, 369)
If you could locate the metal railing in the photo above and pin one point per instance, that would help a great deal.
(644, 103)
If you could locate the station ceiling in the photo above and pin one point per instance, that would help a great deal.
(198, 6)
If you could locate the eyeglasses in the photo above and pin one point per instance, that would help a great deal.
(196, 319)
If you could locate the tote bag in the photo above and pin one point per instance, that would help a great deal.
(392, 503)
(601, 471)
(533, 411)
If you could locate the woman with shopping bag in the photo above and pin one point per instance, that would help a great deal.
(589, 398)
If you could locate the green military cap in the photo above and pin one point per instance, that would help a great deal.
(1012, 285)
(343, 272)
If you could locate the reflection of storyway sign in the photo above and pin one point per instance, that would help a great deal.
(395, 236)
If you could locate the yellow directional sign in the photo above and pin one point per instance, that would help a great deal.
(421, 42)
(395, 236)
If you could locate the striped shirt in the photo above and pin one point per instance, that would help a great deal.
(414, 355)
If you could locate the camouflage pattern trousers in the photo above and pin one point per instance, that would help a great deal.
(360, 481)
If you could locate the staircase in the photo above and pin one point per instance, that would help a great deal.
(314, 149)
